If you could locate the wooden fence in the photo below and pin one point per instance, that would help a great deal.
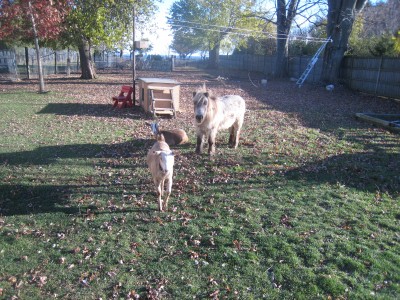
(379, 76)
(248, 62)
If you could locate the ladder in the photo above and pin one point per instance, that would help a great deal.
(312, 62)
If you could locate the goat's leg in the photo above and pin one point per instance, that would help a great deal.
(159, 188)
(161, 202)
(169, 189)
(159, 197)
(162, 187)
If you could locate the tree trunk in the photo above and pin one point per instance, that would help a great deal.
(341, 16)
(87, 67)
(281, 57)
(213, 62)
(40, 68)
(284, 18)
(36, 40)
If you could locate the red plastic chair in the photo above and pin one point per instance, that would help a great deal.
(124, 97)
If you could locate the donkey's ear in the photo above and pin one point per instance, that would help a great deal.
(194, 94)
(206, 94)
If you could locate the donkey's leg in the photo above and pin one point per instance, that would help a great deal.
(211, 142)
(238, 127)
(200, 142)
(238, 130)
(231, 136)
(236, 142)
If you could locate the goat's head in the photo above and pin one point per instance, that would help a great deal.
(166, 161)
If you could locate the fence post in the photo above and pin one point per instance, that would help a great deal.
(68, 63)
(55, 62)
(28, 72)
(378, 76)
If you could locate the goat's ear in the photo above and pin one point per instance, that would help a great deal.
(157, 152)
(206, 94)
(194, 94)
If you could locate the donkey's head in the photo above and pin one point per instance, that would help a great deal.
(201, 100)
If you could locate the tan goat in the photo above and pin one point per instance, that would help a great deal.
(160, 160)
(172, 137)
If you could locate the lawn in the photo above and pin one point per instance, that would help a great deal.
(306, 208)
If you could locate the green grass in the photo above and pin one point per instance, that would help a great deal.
(294, 213)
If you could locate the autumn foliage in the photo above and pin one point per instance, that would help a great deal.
(48, 15)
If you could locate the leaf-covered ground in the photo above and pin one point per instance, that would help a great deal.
(306, 208)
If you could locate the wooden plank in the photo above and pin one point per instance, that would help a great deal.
(159, 87)
(390, 122)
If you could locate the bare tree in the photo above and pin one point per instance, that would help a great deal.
(341, 16)
(381, 18)
(289, 14)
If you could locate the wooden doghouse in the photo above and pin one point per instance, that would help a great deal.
(159, 95)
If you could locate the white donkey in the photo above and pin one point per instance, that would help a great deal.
(215, 113)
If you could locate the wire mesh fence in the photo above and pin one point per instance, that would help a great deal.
(22, 62)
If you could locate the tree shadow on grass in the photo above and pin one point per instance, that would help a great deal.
(45, 155)
(94, 110)
(357, 173)
(43, 196)
(366, 172)
(20, 199)
(370, 171)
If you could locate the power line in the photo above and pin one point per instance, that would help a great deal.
(240, 31)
